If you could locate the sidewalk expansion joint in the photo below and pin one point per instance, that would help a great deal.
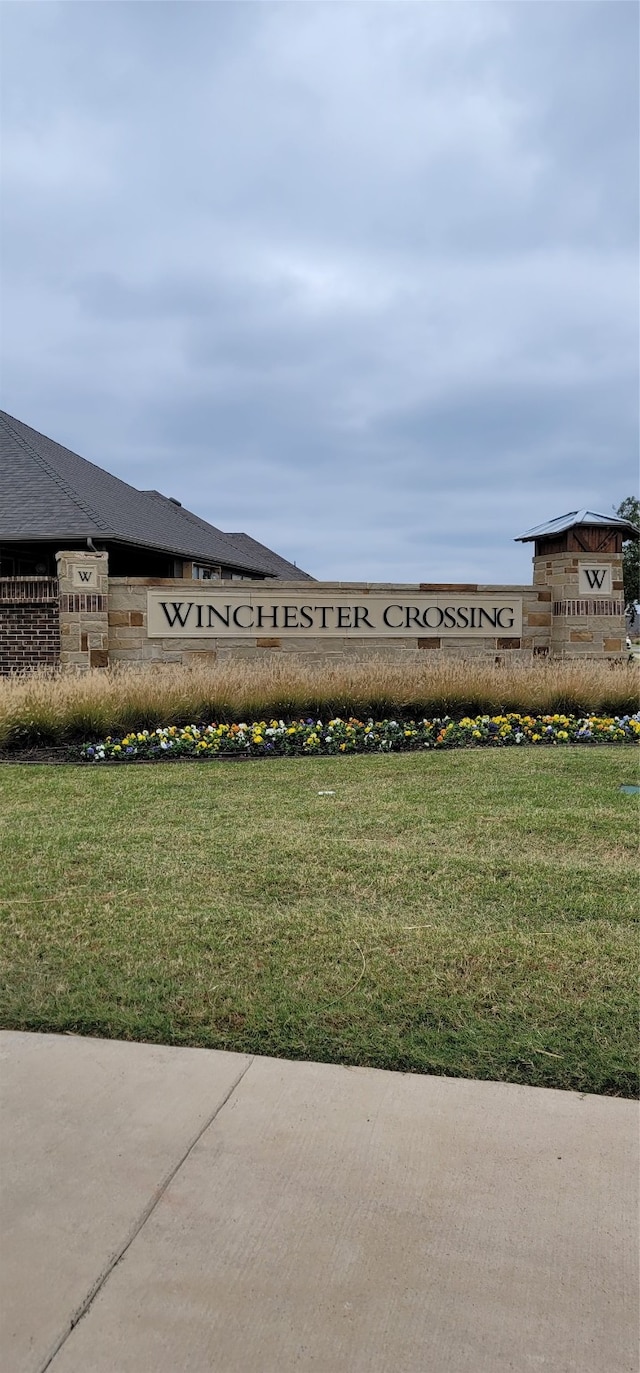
(141, 1221)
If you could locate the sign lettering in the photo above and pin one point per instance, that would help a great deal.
(176, 613)
(83, 576)
(250, 612)
(594, 580)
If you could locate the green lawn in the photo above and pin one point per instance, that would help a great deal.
(468, 913)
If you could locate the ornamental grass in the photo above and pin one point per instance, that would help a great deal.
(55, 707)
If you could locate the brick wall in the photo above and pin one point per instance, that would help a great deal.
(29, 624)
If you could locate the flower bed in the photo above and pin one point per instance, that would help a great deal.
(277, 737)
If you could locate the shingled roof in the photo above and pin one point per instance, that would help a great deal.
(50, 493)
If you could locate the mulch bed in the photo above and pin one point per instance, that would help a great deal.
(39, 755)
(70, 753)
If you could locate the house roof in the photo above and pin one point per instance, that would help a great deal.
(573, 518)
(279, 567)
(49, 492)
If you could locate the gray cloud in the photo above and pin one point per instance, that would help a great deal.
(358, 279)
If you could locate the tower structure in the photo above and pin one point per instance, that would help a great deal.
(578, 557)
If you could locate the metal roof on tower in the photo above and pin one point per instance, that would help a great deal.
(577, 517)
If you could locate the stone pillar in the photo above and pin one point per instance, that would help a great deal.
(84, 603)
(587, 601)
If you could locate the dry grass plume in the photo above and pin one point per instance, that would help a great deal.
(51, 706)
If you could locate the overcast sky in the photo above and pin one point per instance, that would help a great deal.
(359, 279)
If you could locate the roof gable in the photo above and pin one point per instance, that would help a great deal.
(50, 492)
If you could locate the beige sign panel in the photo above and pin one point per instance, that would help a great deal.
(207, 612)
(594, 579)
(84, 577)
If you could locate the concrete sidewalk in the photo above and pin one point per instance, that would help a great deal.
(186, 1211)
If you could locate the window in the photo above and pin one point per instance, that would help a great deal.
(205, 574)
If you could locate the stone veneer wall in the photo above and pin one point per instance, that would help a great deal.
(128, 640)
(103, 619)
(590, 626)
(84, 599)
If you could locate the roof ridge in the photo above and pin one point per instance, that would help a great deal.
(277, 560)
(253, 565)
(51, 471)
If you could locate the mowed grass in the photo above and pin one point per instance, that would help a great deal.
(462, 913)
